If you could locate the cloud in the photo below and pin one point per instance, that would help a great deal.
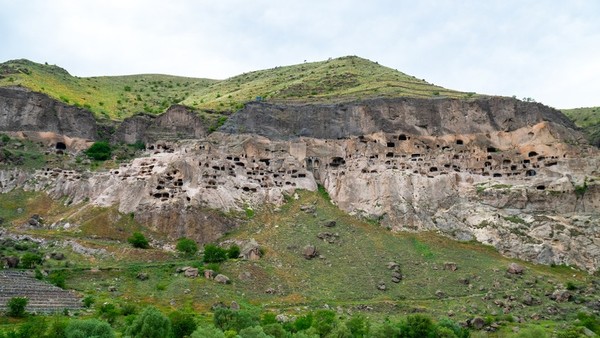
(545, 50)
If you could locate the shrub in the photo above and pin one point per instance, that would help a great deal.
(88, 301)
(57, 278)
(34, 327)
(138, 240)
(233, 252)
(458, 330)
(183, 324)
(227, 319)
(303, 323)
(358, 325)
(99, 151)
(207, 332)
(214, 254)
(324, 321)
(16, 306)
(187, 246)
(89, 328)
(532, 332)
(253, 332)
(29, 260)
(275, 330)
(109, 312)
(151, 323)
(4, 138)
(417, 326)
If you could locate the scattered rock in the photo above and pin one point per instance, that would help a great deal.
(515, 269)
(330, 223)
(281, 318)
(561, 296)
(464, 281)
(270, 291)
(396, 277)
(59, 256)
(328, 237)
(381, 286)
(234, 306)
(250, 250)
(35, 221)
(440, 294)
(392, 265)
(308, 208)
(112, 288)
(142, 276)
(552, 310)
(218, 305)
(11, 262)
(209, 274)
(451, 266)
(310, 252)
(477, 323)
(191, 272)
(222, 279)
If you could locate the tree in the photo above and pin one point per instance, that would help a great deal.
(99, 151)
(187, 246)
(253, 332)
(324, 321)
(151, 323)
(16, 306)
(89, 328)
(207, 332)
(138, 240)
(182, 324)
(214, 254)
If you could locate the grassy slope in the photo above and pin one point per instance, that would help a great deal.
(588, 119)
(346, 276)
(117, 97)
(114, 97)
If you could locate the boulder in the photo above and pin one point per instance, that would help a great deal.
(440, 294)
(250, 250)
(234, 306)
(11, 262)
(330, 224)
(209, 274)
(222, 279)
(381, 286)
(451, 266)
(59, 256)
(561, 296)
(392, 265)
(191, 272)
(477, 323)
(308, 208)
(142, 276)
(515, 269)
(310, 252)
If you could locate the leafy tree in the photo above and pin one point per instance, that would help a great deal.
(341, 331)
(88, 301)
(227, 319)
(303, 323)
(253, 332)
(275, 330)
(207, 332)
(89, 328)
(233, 252)
(417, 326)
(324, 321)
(151, 323)
(138, 240)
(458, 330)
(29, 260)
(187, 246)
(182, 324)
(16, 306)
(109, 312)
(57, 278)
(384, 330)
(358, 325)
(99, 151)
(214, 254)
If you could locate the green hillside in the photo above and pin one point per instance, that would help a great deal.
(114, 97)
(588, 119)
(117, 97)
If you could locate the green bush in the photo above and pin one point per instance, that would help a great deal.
(89, 328)
(358, 325)
(214, 254)
(324, 322)
(207, 332)
(151, 323)
(532, 332)
(182, 324)
(58, 278)
(29, 260)
(88, 301)
(109, 312)
(16, 307)
(99, 151)
(417, 326)
(187, 246)
(253, 332)
(304, 322)
(275, 330)
(138, 240)
(233, 252)
(227, 319)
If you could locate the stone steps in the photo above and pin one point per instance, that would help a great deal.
(43, 297)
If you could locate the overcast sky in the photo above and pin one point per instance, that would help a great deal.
(547, 50)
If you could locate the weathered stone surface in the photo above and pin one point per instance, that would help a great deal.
(222, 279)
(310, 252)
(515, 269)
(191, 272)
(451, 266)
(209, 274)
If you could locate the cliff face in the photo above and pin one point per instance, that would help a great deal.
(23, 110)
(434, 117)
(496, 170)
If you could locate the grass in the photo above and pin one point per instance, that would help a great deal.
(587, 118)
(117, 97)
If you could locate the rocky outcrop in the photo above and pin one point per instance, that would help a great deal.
(435, 117)
(178, 122)
(24, 110)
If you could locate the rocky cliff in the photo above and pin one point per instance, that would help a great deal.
(511, 174)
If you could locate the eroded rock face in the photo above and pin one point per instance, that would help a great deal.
(23, 110)
(503, 172)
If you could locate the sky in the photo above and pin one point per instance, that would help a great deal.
(546, 50)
